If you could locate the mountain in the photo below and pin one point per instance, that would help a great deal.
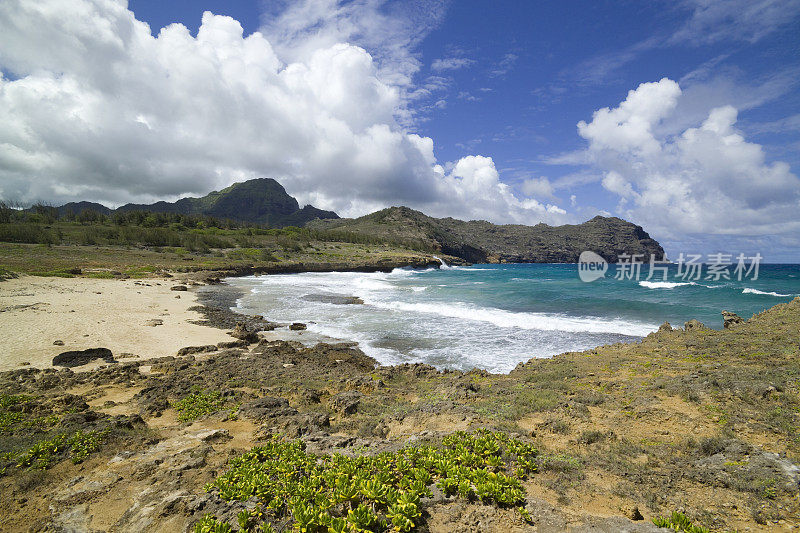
(479, 241)
(75, 208)
(260, 201)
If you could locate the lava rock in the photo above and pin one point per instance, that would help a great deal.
(694, 324)
(81, 357)
(188, 350)
(731, 319)
(242, 332)
(345, 403)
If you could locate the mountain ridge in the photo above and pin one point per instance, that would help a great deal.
(265, 201)
(259, 200)
(479, 241)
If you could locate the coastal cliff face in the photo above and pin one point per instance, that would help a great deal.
(479, 241)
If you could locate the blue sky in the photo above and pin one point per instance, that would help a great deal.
(477, 107)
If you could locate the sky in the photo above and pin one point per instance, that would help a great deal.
(681, 116)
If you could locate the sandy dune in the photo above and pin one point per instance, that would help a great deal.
(89, 313)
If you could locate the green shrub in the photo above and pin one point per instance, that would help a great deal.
(27, 233)
(103, 274)
(372, 493)
(678, 522)
(197, 404)
(78, 447)
(82, 445)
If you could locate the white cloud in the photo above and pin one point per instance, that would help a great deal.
(472, 189)
(451, 63)
(538, 187)
(705, 179)
(504, 65)
(704, 22)
(743, 20)
(103, 110)
(298, 28)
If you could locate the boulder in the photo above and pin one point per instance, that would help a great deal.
(267, 407)
(337, 299)
(197, 349)
(81, 357)
(694, 324)
(297, 326)
(345, 403)
(238, 343)
(179, 288)
(730, 319)
(242, 333)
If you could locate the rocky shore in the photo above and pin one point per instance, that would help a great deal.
(692, 420)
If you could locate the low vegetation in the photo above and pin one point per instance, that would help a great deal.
(34, 440)
(192, 233)
(77, 447)
(197, 404)
(338, 493)
(678, 522)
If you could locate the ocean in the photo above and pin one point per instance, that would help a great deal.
(496, 316)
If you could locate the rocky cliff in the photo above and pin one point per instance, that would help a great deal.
(480, 241)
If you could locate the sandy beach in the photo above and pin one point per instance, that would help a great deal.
(86, 313)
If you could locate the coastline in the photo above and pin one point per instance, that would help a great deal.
(624, 431)
(85, 313)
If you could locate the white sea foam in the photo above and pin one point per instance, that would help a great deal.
(748, 290)
(664, 284)
(444, 266)
(403, 318)
(510, 319)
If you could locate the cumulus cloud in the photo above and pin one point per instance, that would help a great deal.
(538, 187)
(705, 179)
(97, 107)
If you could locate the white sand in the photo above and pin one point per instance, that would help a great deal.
(95, 313)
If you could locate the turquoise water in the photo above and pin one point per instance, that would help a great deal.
(495, 316)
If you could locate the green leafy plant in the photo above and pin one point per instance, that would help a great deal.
(197, 404)
(209, 524)
(79, 446)
(375, 493)
(82, 445)
(678, 522)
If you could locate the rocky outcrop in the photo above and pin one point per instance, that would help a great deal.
(345, 403)
(730, 319)
(693, 324)
(336, 299)
(81, 357)
(189, 350)
(242, 333)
